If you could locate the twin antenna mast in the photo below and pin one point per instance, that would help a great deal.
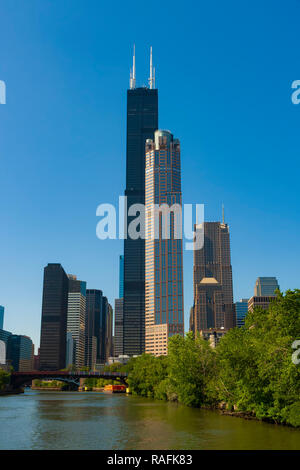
(151, 79)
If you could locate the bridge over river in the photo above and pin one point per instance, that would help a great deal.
(19, 379)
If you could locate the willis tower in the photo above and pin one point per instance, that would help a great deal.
(142, 122)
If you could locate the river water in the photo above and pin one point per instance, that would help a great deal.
(90, 420)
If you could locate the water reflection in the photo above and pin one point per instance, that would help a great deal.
(72, 420)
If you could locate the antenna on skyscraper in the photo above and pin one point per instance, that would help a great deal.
(152, 72)
(132, 71)
(223, 218)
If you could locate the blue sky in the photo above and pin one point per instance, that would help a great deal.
(224, 72)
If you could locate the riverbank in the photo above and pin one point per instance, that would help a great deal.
(41, 420)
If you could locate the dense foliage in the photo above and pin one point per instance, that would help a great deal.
(4, 379)
(251, 370)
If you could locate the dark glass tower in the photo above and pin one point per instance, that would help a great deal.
(94, 327)
(54, 318)
(142, 121)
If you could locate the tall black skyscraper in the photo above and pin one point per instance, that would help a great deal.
(142, 121)
(94, 327)
(54, 318)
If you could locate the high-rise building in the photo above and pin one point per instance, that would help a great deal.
(76, 317)
(262, 301)
(118, 342)
(20, 351)
(142, 121)
(121, 277)
(94, 325)
(118, 331)
(213, 292)
(103, 334)
(1, 317)
(265, 286)
(164, 280)
(4, 336)
(70, 351)
(109, 350)
(241, 310)
(2, 352)
(54, 318)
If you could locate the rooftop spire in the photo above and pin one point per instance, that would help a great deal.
(132, 71)
(152, 72)
(223, 218)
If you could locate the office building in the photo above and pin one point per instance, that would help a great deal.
(70, 350)
(54, 318)
(118, 330)
(109, 349)
(213, 292)
(121, 277)
(260, 301)
(76, 318)
(2, 353)
(265, 286)
(94, 327)
(103, 330)
(1, 317)
(142, 121)
(118, 342)
(20, 352)
(241, 310)
(164, 280)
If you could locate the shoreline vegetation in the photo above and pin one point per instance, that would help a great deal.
(250, 373)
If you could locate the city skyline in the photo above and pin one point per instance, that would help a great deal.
(215, 170)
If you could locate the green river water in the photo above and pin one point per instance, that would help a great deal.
(90, 420)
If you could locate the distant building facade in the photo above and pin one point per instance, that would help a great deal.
(1, 317)
(241, 310)
(109, 349)
(2, 352)
(118, 342)
(213, 290)
(70, 350)
(164, 315)
(54, 318)
(20, 351)
(119, 312)
(265, 286)
(94, 327)
(121, 277)
(260, 301)
(76, 318)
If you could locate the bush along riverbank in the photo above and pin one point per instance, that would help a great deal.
(250, 373)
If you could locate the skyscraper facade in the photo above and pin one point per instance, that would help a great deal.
(76, 318)
(121, 277)
(54, 318)
(265, 286)
(164, 280)
(109, 350)
(105, 323)
(1, 317)
(213, 292)
(241, 310)
(142, 121)
(118, 331)
(20, 352)
(94, 313)
(118, 343)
